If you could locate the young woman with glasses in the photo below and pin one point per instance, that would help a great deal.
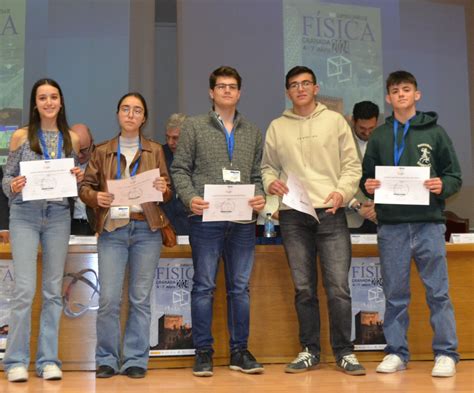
(128, 236)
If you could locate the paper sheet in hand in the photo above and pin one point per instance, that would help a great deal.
(48, 179)
(135, 190)
(297, 197)
(402, 185)
(228, 202)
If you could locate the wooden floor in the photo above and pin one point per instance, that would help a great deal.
(327, 379)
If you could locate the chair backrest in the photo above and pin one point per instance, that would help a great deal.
(455, 224)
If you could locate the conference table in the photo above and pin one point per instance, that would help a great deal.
(273, 322)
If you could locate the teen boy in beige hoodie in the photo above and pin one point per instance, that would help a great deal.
(316, 145)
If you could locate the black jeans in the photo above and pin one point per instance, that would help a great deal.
(304, 238)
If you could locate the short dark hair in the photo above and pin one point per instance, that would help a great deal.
(142, 100)
(365, 110)
(224, 71)
(299, 70)
(397, 77)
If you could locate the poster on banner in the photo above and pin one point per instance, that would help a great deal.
(12, 70)
(170, 329)
(368, 304)
(342, 44)
(7, 283)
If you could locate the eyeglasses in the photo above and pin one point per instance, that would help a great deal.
(88, 149)
(296, 85)
(223, 86)
(136, 110)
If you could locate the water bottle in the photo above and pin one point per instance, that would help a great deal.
(269, 227)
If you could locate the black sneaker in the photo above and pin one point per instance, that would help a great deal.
(243, 360)
(134, 372)
(350, 365)
(304, 361)
(203, 364)
(105, 371)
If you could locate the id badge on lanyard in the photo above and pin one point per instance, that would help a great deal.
(119, 212)
(230, 175)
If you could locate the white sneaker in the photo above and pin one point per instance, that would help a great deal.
(444, 367)
(17, 374)
(51, 372)
(391, 364)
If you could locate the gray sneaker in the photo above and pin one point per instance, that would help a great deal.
(350, 365)
(304, 361)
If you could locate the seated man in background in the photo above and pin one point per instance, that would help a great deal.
(174, 209)
(79, 223)
(360, 212)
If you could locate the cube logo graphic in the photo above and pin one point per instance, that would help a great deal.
(181, 297)
(339, 67)
(376, 295)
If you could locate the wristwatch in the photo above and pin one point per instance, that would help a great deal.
(356, 207)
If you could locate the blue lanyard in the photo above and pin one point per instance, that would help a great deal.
(45, 148)
(230, 139)
(398, 150)
(135, 167)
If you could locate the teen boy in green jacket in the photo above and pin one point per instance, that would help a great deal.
(411, 138)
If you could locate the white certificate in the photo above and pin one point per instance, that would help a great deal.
(135, 190)
(49, 179)
(228, 202)
(402, 185)
(297, 197)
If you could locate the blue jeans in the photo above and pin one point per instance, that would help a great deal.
(31, 223)
(425, 243)
(236, 244)
(303, 239)
(138, 247)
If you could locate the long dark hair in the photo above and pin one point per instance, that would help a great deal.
(34, 123)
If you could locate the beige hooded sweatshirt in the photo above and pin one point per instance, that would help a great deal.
(318, 149)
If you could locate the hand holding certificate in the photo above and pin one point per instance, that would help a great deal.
(402, 185)
(48, 179)
(228, 202)
(135, 190)
(297, 197)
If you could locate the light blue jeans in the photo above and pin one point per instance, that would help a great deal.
(31, 223)
(138, 247)
(425, 243)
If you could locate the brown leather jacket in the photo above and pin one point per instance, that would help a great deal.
(102, 166)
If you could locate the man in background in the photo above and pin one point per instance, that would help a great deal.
(174, 209)
(79, 223)
(360, 212)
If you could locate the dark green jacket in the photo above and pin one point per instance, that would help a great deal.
(426, 144)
